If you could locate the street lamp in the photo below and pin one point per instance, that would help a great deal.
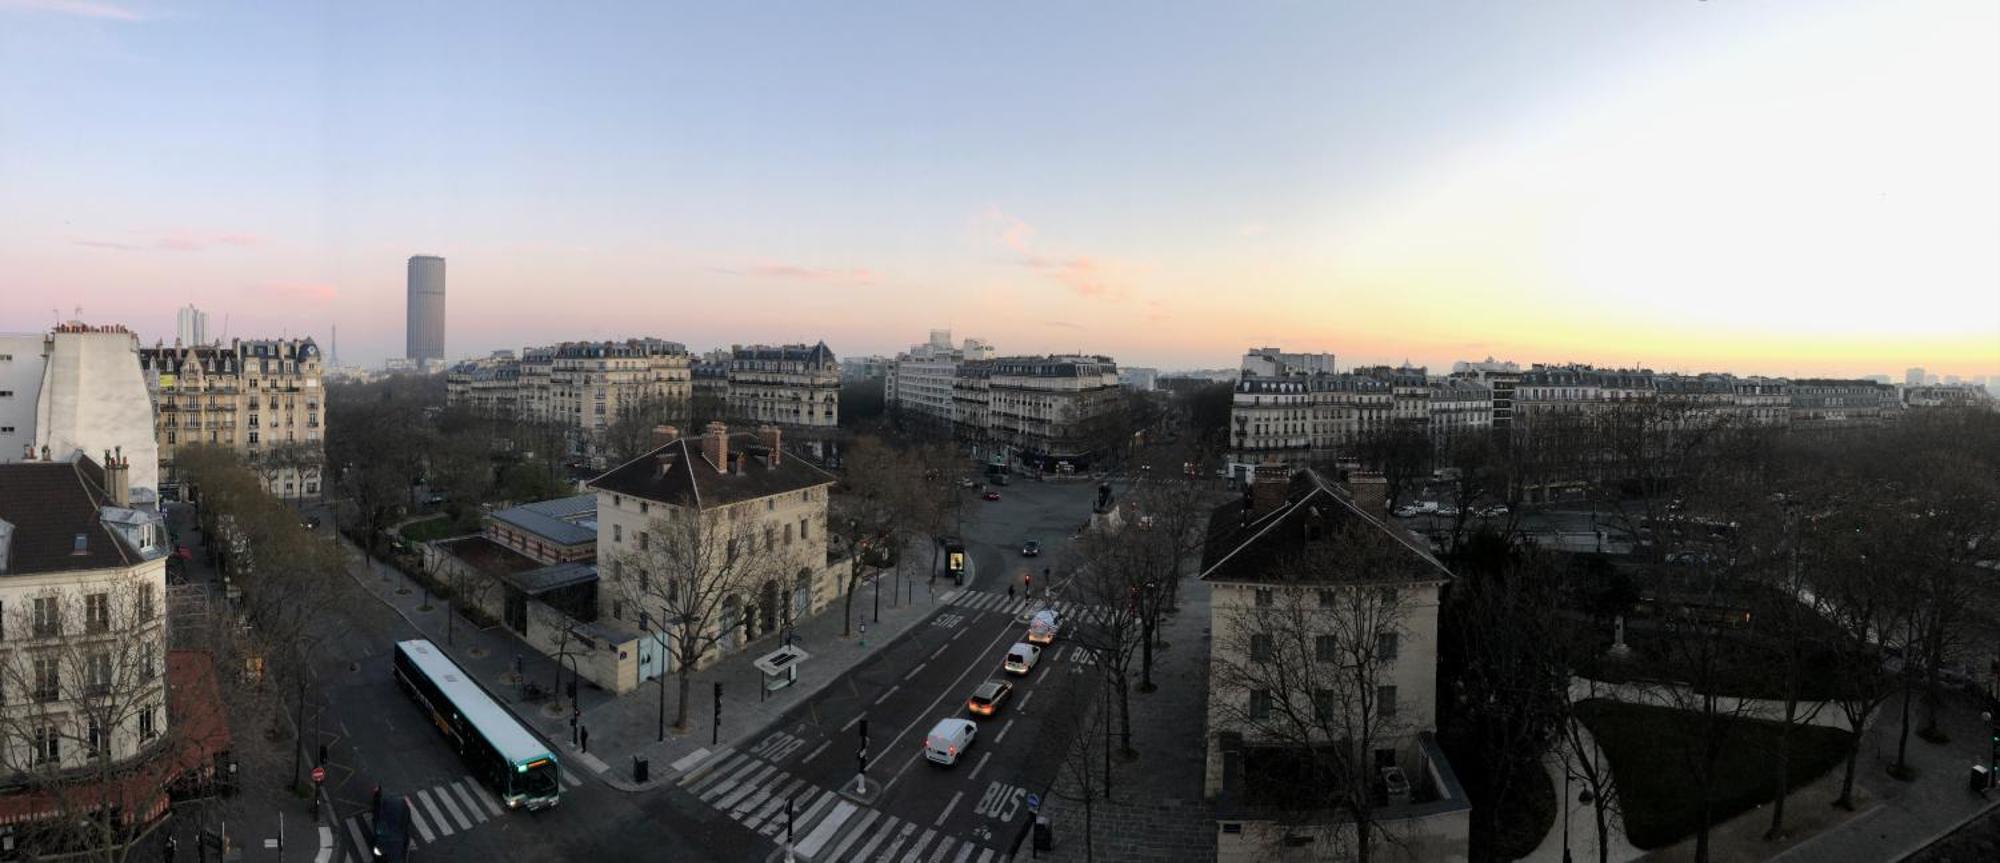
(1584, 797)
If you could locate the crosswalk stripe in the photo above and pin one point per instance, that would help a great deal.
(570, 778)
(359, 834)
(910, 856)
(755, 801)
(943, 848)
(485, 796)
(859, 830)
(964, 852)
(471, 804)
(896, 844)
(452, 807)
(437, 817)
(987, 856)
(744, 789)
(776, 802)
(810, 815)
(730, 765)
(889, 828)
(823, 832)
(730, 782)
(707, 768)
(417, 820)
(802, 816)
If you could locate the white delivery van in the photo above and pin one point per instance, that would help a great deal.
(948, 740)
(1044, 627)
(1021, 658)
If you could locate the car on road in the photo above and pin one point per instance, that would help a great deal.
(992, 495)
(1408, 510)
(1498, 510)
(966, 483)
(1044, 627)
(1031, 548)
(949, 739)
(986, 700)
(391, 840)
(1447, 511)
(1021, 658)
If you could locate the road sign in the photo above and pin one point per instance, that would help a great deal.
(1034, 803)
(319, 775)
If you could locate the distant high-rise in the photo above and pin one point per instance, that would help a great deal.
(1914, 377)
(191, 326)
(425, 338)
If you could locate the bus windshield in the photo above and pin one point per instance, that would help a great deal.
(538, 780)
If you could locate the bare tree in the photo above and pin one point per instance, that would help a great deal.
(1115, 567)
(868, 510)
(1303, 675)
(690, 571)
(630, 434)
(85, 716)
(1584, 760)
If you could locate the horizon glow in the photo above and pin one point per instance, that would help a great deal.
(1792, 188)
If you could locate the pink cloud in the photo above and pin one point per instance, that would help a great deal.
(822, 275)
(299, 292)
(77, 8)
(195, 241)
(1085, 275)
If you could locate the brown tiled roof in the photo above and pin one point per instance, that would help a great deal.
(49, 503)
(1243, 548)
(689, 480)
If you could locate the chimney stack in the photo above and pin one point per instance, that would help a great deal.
(1370, 492)
(663, 435)
(768, 435)
(1268, 486)
(715, 446)
(117, 479)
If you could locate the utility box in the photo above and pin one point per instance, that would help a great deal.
(1044, 837)
(641, 768)
(1979, 779)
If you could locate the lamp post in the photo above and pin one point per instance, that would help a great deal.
(1584, 797)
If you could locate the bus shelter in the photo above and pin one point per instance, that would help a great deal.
(780, 667)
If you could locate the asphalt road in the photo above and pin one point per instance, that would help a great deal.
(732, 808)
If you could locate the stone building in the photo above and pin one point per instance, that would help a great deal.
(262, 398)
(1053, 412)
(1822, 404)
(78, 389)
(796, 386)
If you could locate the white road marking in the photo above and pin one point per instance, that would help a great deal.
(1024, 700)
(822, 833)
(437, 816)
(885, 695)
(733, 763)
(772, 805)
(850, 723)
(943, 848)
(914, 672)
(423, 829)
(868, 817)
(965, 852)
(899, 773)
(980, 766)
(359, 834)
(901, 837)
(471, 803)
(940, 651)
(950, 687)
(444, 799)
(918, 848)
(325, 845)
(728, 801)
(690, 759)
(812, 797)
(955, 795)
(816, 750)
(1003, 731)
(484, 796)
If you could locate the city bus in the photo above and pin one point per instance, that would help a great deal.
(502, 754)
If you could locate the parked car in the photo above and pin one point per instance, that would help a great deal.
(1031, 548)
(1021, 658)
(949, 739)
(1498, 510)
(1448, 511)
(992, 495)
(986, 700)
(1408, 510)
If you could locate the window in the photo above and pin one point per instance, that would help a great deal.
(802, 528)
(1326, 648)
(1260, 646)
(1385, 701)
(97, 612)
(48, 619)
(148, 729)
(1323, 704)
(146, 664)
(1260, 704)
(643, 507)
(48, 745)
(48, 681)
(617, 570)
(615, 499)
(97, 673)
(788, 534)
(617, 610)
(1264, 597)
(645, 541)
(617, 533)
(1385, 647)
(94, 737)
(1328, 599)
(645, 581)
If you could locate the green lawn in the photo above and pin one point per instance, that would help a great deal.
(429, 529)
(1649, 749)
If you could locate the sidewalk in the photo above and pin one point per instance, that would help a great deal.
(621, 728)
(1582, 822)
(1156, 813)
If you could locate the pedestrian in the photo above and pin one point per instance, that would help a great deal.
(583, 737)
(167, 852)
(1010, 591)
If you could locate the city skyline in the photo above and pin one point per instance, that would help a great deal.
(1675, 187)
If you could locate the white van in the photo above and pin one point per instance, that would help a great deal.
(1044, 627)
(1021, 658)
(949, 739)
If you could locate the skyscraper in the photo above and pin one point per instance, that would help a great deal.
(191, 326)
(1914, 376)
(425, 338)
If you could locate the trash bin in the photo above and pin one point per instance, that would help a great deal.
(641, 768)
(1044, 837)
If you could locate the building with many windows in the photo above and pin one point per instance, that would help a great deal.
(1053, 413)
(796, 386)
(1822, 404)
(922, 381)
(262, 398)
(1948, 396)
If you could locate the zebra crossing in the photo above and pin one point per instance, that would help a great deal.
(824, 825)
(1001, 603)
(436, 812)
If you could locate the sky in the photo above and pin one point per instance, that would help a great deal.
(1799, 188)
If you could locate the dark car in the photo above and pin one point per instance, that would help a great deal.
(1031, 548)
(390, 838)
(986, 700)
(992, 495)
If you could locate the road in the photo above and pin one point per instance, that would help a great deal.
(913, 809)
(732, 807)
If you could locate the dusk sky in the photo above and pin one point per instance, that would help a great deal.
(1763, 187)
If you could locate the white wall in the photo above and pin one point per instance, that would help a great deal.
(93, 398)
(21, 375)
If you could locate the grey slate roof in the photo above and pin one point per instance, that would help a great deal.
(689, 479)
(49, 504)
(563, 521)
(1246, 548)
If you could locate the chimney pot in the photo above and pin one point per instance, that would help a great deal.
(665, 434)
(770, 437)
(1370, 492)
(1268, 487)
(715, 446)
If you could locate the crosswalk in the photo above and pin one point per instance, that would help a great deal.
(436, 812)
(1001, 603)
(824, 825)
